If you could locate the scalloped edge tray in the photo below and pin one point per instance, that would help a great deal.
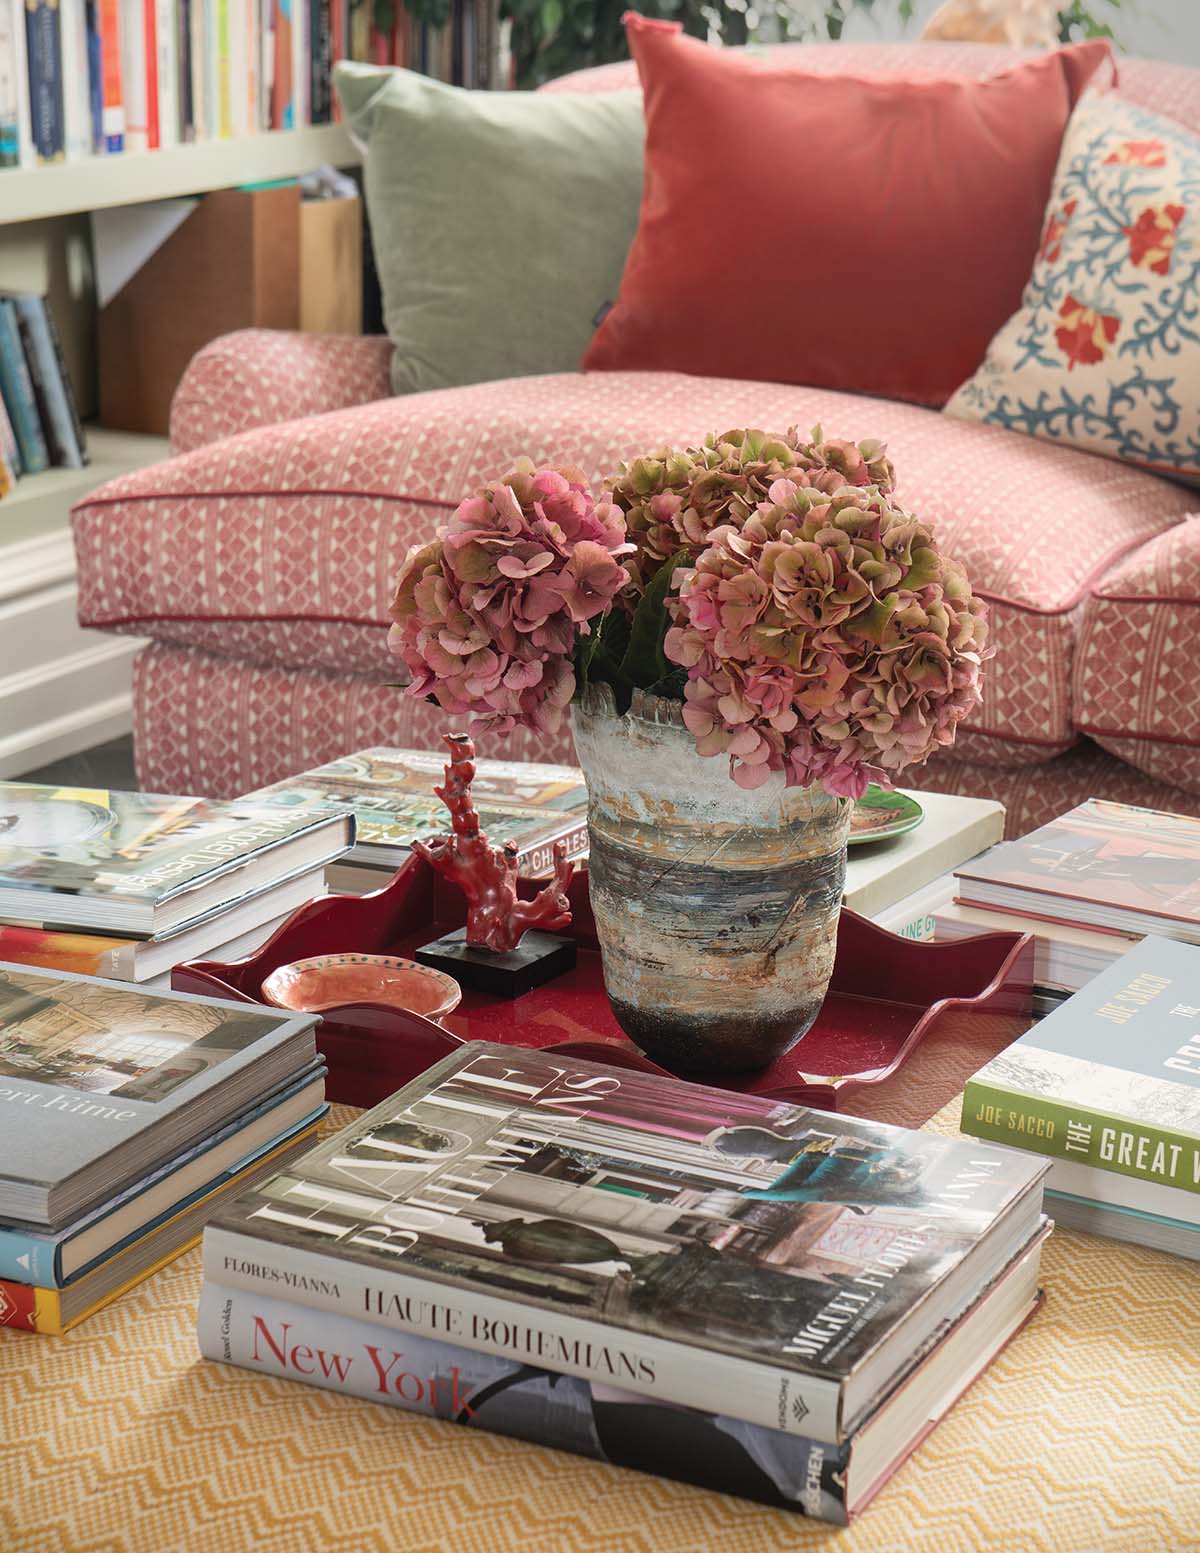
(863, 1036)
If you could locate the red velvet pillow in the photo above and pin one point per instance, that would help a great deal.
(864, 233)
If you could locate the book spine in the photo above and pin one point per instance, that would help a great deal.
(28, 1308)
(320, 59)
(537, 861)
(198, 11)
(111, 83)
(223, 86)
(300, 69)
(8, 441)
(95, 63)
(43, 43)
(133, 75)
(1057, 1130)
(12, 17)
(43, 352)
(166, 37)
(671, 1372)
(186, 118)
(441, 1380)
(150, 37)
(283, 108)
(28, 1259)
(266, 65)
(17, 387)
(239, 69)
(77, 100)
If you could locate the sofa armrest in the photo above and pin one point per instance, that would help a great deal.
(258, 377)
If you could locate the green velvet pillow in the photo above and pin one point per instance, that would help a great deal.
(500, 220)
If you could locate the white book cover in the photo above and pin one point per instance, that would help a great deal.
(77, 106)
(880, 873)
(133, 75)
(167, 43)
(11, 16)
(26, 154)
(240, 90)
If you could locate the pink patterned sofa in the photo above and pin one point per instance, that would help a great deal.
(260, 559)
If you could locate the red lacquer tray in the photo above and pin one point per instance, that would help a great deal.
(903, 1026)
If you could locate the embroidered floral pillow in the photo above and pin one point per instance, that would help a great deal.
(1104, 352)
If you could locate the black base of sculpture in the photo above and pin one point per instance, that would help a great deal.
(538, 958)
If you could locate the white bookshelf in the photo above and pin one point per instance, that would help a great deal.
(132, 177)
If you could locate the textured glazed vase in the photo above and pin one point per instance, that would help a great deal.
(716, 907)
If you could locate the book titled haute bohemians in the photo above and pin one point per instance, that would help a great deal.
(98, 1082)
(142, 863)
(391, 793)
(1108, 1086)
(718, 1250)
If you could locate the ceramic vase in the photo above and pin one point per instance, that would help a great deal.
(716, 906)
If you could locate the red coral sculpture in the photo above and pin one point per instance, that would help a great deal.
(487, 875)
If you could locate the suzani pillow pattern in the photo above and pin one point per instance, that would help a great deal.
(1104, 352)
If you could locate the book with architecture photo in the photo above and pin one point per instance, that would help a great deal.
(690, 1243)
(141, 863)
(391, 793)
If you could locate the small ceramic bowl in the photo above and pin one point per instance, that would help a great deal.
(329, 980)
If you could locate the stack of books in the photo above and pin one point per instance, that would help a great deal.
(391, 794)
(1088, 886)
(126, 1117)
(83, 78)
(1108, 1088)
(39, 418)
(129, 885)
(716, 1287)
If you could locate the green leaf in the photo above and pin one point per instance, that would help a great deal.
(645, 661)
(598, 655)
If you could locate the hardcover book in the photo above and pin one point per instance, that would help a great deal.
(98, 1082)
(439, 1379)
(708, 1248)
(1109, 1083)
(146, 864)
(56, 1310)
(1103, 865)
(391, 794)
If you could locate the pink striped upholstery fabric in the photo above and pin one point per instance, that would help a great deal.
(283, 548)
(259, 377)
(216, 726)
(1136, 690)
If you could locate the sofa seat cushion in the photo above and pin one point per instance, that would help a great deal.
(281, 545)
(1136, 690)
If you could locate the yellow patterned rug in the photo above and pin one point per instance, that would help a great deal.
(117, 1438)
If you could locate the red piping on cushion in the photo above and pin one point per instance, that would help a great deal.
(100, 622)
(1140, 598)
(1138, 738)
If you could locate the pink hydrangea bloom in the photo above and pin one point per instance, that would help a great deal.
(485, 617)
(825, 637)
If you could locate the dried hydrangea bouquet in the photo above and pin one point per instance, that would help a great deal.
(747, 634)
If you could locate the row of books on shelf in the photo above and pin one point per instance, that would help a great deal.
(39, 415)
(81, 78)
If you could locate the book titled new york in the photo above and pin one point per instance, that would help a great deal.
(717, 1250)
(391, 794)
(1103, 865)
(1109, 1083)
(145, 863)
(98, 1083)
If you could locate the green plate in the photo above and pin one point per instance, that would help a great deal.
(879, 814)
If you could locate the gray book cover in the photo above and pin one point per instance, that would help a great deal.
(98, 1078)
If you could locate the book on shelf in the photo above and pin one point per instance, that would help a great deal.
(16, 388)
(99, 1082)
(82, 78)
(146, 864)
(722, 1251)
(1107, 1087)
(227, 936)
(52, 391)
(52, 1259)
(440, 1379)
(391, 795)
(55, 1309)
(1102, 865)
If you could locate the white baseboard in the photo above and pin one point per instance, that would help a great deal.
(58, 708)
